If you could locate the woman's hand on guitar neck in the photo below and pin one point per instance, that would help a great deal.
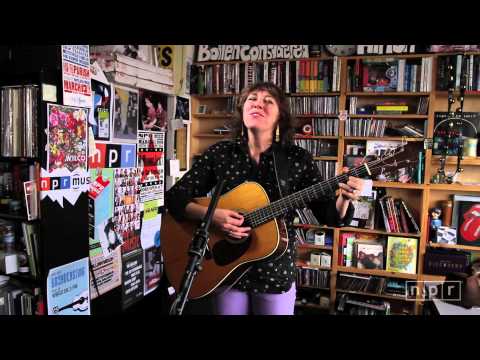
(229, 222)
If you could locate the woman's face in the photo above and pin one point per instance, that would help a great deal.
(260, 111)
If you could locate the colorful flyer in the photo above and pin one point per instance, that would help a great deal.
(68, 289)
(106, 271)
(76, 75)
(150, 153)
(67, 137)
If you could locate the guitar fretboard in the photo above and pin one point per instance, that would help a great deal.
(301, 198)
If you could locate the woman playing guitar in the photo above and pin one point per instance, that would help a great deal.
(262, 131)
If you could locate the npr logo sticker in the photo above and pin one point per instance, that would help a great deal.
(428, 290)
(73, 182)
(113, 156)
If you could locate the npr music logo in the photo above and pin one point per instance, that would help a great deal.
(63, 182)
(450, 290)
(113, 156)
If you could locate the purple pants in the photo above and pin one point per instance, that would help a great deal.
(237, 302)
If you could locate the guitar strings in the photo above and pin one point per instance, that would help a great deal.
(275, 209)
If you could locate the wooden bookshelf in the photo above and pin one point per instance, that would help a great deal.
(316, 116)
(457, 247)
(379, 232)
(397, 185)
(381, 296)
(421, 197)
(314, 247)
(374, 272)
(212, 116)
(394, 93)
(452, 160)
(385, 138)
(325, 158)
(390, 117)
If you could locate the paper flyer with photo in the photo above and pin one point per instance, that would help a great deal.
(126, 211)
(76, 75)
(182, 108)
(102, 105)
(67, 137)
(153, 269)
(68, 289)
(132, 278)
(125, 115)
(153, 111)
(106, 271)
(151, 147)
(101, 217)
(151, 222)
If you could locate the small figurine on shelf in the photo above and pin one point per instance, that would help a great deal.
(435, 222)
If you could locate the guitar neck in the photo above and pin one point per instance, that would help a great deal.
(301, 198)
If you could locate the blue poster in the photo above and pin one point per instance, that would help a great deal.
(68, 289)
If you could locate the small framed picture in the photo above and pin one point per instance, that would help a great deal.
(202, 109)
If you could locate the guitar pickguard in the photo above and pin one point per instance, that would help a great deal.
(225, 252)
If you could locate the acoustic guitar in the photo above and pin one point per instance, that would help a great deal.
(226, 259)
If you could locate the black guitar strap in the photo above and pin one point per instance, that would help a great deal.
(280, 161)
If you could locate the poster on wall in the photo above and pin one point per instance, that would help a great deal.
(63, 184)
(151, 147)
(151, 222)
(99, 119)
(153, 269)
(106, 271)
(76, 75)
(182, 108)
(68, 289)
(101, 220)
(126, 211)
(153, 111)
(125, 116)
(67, 138)
(110, 155)
(164, 55)
(132, 278)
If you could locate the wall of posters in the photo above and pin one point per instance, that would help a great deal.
(125, 116)
(76, 75)
(68, 289)
(153, 111)
(132, 278)
(67, 137)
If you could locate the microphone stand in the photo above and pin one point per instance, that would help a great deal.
(196, 252)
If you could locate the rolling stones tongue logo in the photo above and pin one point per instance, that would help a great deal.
(470, 229)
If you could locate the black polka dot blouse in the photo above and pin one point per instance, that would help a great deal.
(231, 160)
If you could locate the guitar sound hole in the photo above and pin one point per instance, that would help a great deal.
(225, 251)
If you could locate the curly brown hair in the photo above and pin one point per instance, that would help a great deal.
(286, 120)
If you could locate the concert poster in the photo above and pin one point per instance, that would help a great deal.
(67, 289)
(132, 278)
(67, 137)
(151, 147)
